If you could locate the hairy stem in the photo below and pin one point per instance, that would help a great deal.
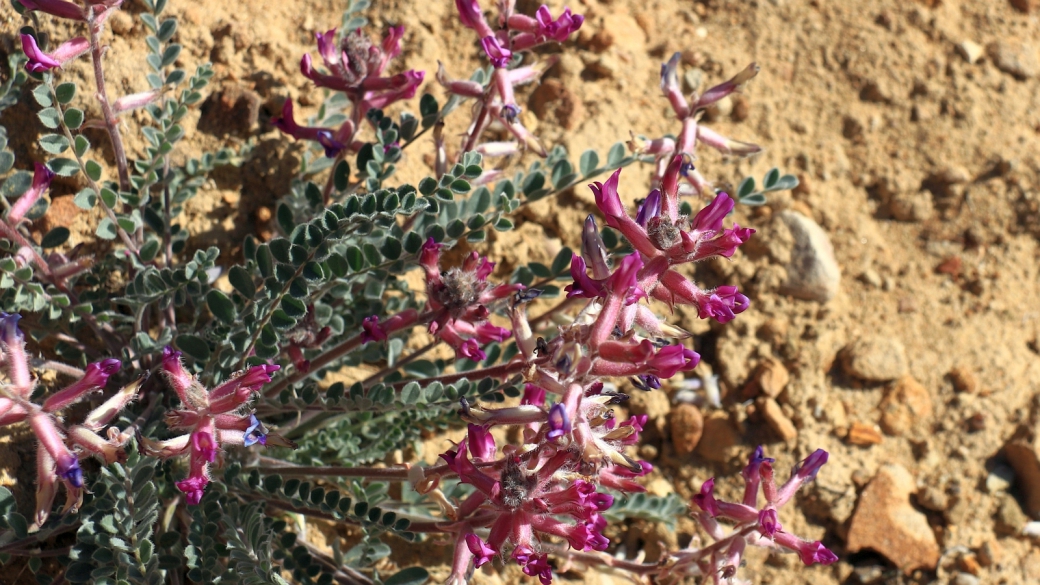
(111, 122)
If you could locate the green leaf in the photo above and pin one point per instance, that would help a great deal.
(561, 264)
(149, 250)
(428, 110)
(754, 200)
(63, 167)
(18, 524)
(616, 154)
(55, 237)
(93, 170)
(81, 146)
(341, 176)
(42, 94)
(588, 162)
(65, 92)
(106, 229)
(194, 346)
(747, 187)
(85, 199)
(785, 183)
(6, 161)
(49, 118)
(54, 143)
(771, 178)
(391, 248)
(73, 118)
(109, 197)
(242, 281)
(409, 576)
(221, 306)
(285, 218)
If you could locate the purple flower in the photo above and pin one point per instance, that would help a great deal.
(559, 29)
(608, 200)
(807, 469)
(672, 359)
(482, 553)
(710, 218)
(768, 522)
(593, 251)
(371, 330)
(650, 208)
(647, 382)
(559, 422)
(59, 8)
(583, 286)
(533, 395)
(39, 61)
(706, 499)
(538, 566)
(254, 433)
(194, 487)
(751, 472)
(470, 349)
(9, 332)
(480, 442)
(203, 446)
(723, 304)
(496, 52)
(72, 473)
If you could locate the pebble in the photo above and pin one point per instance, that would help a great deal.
(1023, 453)
(1010, 518)
(771, 378)
(971, 51)
(1014, 58)
(813, 273)
(969, 564)
(686, 424)
(1026, 6)
(886, 522)
(906, 405)
(911, 207)
(871, 277)
(990, 553)
(720, 438)
(863, 435)
(965, 579)
(122, 23)
(933, 498)
(875, 358)
(963, 380)
(776, 419)
(1000, 479)
(741, 108)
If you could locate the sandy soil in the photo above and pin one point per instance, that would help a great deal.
(921, 166)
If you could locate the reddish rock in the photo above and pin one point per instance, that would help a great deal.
(1023, 453)
(776, 419)
(719, 438)
(686, 425)
(885, 522)
(906, 406)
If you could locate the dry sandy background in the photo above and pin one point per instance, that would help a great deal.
(918, 158)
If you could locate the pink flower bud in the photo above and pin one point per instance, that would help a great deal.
(15, 361)
(671, 88)
(41, 181)
(50, 437)
(39, 61)
(768, 522)
(458, 87)
(726, 145)
(135, 100)
(533, 395)
(709, 219)
(608, 200)
(724, 89)
(176, 376)
(472, 16)
(497, 53)
(480, 442)
(194, 487)
(59, 8)
(561, 28)
(705, 500)
(95, 377)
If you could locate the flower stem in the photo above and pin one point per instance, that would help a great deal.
(111, 122)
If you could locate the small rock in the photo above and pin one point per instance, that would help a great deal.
(990, 553)
(969, 564)
(1000, 479)
(863, 435)
(871, 277)
(906, 406)
(875, 358)
(971, 51)
(1023, 453)
(964, 579)
(553, 100)
(951, 175)
(720, 438)
(1026, 6)
(911, 207)
(813, 273)
(963, 380)
(686, 425)
(1010, 518)
(692, 79)
(875, 92)
(805, 185)
(771, 378)
(741, 108)
(933, 498)
(776, 419)
(604, 67)
(231, 111)
(1014, 58)
(869, 575)
(886, 522)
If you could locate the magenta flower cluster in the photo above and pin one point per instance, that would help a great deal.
(62, 445)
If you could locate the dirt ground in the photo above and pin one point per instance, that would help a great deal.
(914, 127)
